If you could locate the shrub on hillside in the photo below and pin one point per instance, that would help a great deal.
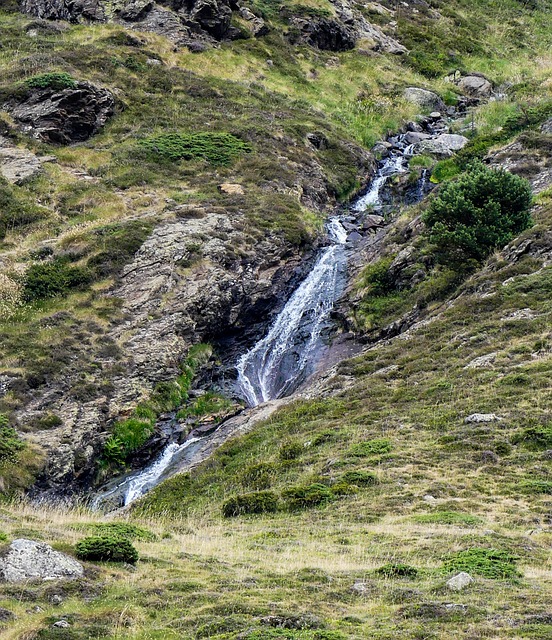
(123, 530)
(51, 279)
(305, 497)
(536, 438)
(10, 444)
(360, 478)
(258, 476)
(397, 570)
(106, 548)
(489, 563)
(215, 148)
(54, 80)
(290, 450)
(479, 212)
(371, 448)
(250, 503)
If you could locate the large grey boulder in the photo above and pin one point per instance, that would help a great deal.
(426, 100)
(444, 146)
(475, 86)
(71, 10)
(30, 560)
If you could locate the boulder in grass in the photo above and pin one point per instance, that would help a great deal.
(29, 560)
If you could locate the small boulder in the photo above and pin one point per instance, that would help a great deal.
(19, 165)
(61, 624)
(231, 189)
(482, 361)
(481, 418)
(6, 615)
(30, 560)
(547, 127)
(459, 581)
(475, 86)
(427, 100)
(445, 145)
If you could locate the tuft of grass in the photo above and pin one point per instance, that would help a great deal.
(489, 563)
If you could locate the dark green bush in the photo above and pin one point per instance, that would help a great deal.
(250, 503)
(397, 570)
(51, 279)
(306, 497)
(123, 530)
(371, 448)
(360, 478)
(106, 548)
(479, 212)
(215, 148)
(57, 81)
(535, 438)
(10, 444)
(290, 450)
(490, 563)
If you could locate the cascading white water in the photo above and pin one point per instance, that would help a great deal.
(148, 478)
(279, 362)
(392, 165)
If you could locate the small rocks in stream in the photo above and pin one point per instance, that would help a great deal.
(445, 145)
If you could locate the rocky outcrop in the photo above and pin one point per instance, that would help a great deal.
(62, 116)
(348, 28)
(18, 165)
(71, 10)
(29, 560)
(185, 23)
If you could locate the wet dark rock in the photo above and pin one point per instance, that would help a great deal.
(326, 34)
(62, 116)
(318, 140)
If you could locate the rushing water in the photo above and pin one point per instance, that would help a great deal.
(279, 362)
(289, 352)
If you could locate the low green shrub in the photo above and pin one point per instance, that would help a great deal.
(397, 570)
(368, 448)
(53, 80)
(16, 209)
(536, 487)
(3, 537)
(489, 563)
(250, 503)
(107, 548)
(10, 444)
(47, 421)
(359, 478)
(51, 279)
(535, 438)
(290, 450)
(215, 148)
(448, 517)
(123, 530)
(305, 497)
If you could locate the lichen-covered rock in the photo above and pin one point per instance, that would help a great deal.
(62, 116)
(427, 100)
(475, 86)
(30, 560)
(444, 146)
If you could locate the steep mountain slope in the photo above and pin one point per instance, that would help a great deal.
(168, 168)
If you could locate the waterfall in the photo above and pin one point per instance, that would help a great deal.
(391, 166)
(279, 362)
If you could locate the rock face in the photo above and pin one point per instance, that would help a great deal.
(426, 100)
(71, 10)
(445, 145)
(326, 34)
(18, 165)
(30, 560)
(62, 116)
(475, 86)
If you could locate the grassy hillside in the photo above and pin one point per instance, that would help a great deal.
(376, 488)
